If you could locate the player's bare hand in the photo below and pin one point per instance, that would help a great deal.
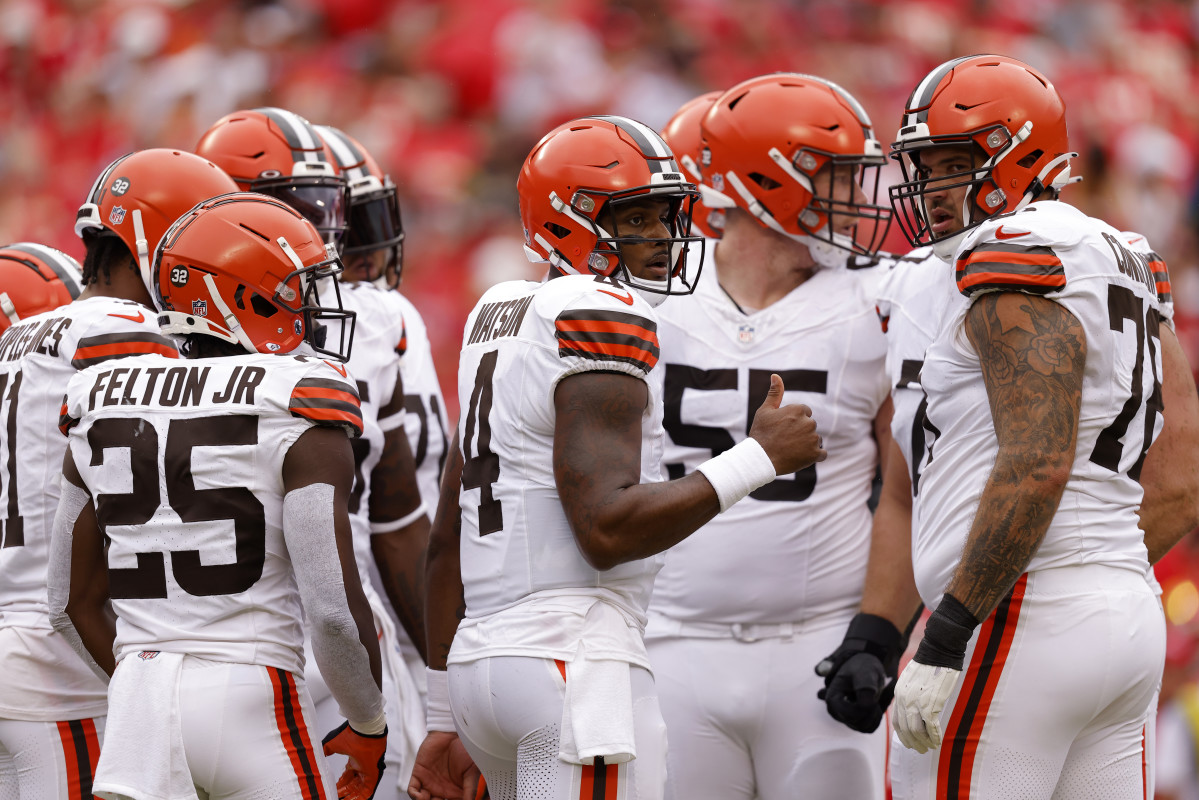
(787, 433)
(443, 769)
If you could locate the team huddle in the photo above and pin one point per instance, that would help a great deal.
(243, 558)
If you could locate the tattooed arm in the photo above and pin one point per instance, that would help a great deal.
(445, 605)
(1032, 352)
(597, 467)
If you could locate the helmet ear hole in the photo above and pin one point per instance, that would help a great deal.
(1031, 159)
(558, 230)
(263, 307)
(765, 181)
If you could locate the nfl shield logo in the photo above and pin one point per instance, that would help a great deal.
(200, 308)
(745, 334)
(146, 655)
(718, 181)
(117, 215)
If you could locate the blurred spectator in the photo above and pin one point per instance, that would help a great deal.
(451, 93)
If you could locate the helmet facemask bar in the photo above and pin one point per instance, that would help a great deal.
(318, 318)
(608, 257)
(908, 197)
(862, 174)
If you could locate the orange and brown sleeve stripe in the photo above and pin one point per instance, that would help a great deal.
(65, 420)
(402, 347)
(1161, 277)
(97, 349)
(327, 402)
(1033, 269)
(608, 336)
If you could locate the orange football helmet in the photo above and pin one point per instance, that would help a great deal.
(765, 140)
(35, 278)
(244, 267)
(1013, 117)
(373, 220)
(139, 195)
(279, 153)
(572, 177)
(682, 134)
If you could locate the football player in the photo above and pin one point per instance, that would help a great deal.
(374, 252)
(51, 706)
(390, 527)
(553, 517)
(796, 161)
(392, 538)
(1044, 395)
(208, 502)
(683, 137)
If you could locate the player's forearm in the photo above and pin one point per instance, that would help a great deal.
(395, 493)
(338, 617)
(1014, 513)
(1170, 474)
(445, 603)
(637, 521)
(77, 593)
(400, 557)
(96, 627)
(890, 587)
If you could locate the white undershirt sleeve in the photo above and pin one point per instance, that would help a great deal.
(309, 531)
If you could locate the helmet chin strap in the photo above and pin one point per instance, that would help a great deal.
(234, 326)
(143, 250)
(10, 310)
(654, 299)
(825, 253)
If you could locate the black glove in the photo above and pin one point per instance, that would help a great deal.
(859, 676)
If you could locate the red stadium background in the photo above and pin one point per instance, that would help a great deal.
(450, 95)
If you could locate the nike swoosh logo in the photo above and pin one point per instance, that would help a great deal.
(130, 317)
(1001, 234)
(628, 300)
(340, 370)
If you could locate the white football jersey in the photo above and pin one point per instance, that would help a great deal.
(379, 343)
(185, 461)
(915, 298)
(37, 358)
(796, 548)
(425, 420)
(520, 340)
(1113, 289)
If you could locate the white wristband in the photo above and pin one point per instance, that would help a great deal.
(375, 727)
(438, 716)
(390, 526)
(738, 471)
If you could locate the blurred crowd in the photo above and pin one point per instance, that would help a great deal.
(450, 95)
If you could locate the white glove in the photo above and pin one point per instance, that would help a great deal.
(920, 696)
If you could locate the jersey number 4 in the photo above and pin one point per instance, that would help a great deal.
(680, 377)
(481, 470)
(148, 578)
